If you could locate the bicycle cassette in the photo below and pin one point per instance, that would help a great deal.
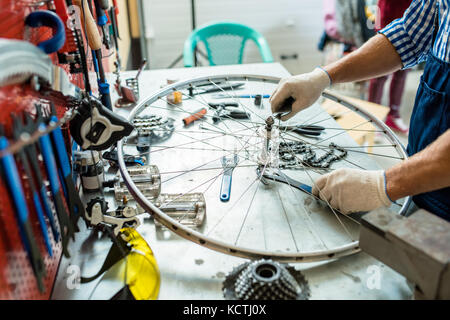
(265, 280)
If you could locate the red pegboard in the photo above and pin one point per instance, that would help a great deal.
(17, 280)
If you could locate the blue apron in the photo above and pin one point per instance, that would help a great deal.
(430, 119)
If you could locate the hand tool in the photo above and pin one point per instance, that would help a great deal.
(102, 20)
(307, 130)
(285, 108)
(240, 96)
(32, 155)
(66, 227)
(130, 92)
(48, 19)
(76, 207)
(95, 43)
(279, 176)
(130, 160)
(206, 88)
(196, 115)
(12, 181)
(228, 165)
(223, 110)
(35, 195)
(96, 128)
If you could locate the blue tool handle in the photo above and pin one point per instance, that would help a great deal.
(225, 189)
(43, 225)
(13, 180)
(103, 88)
(102, 19)
(58, 139)
(49, 19)
(49, 212)
(49, 161)
(305, 188)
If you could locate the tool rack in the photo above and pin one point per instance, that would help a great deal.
(17, 280)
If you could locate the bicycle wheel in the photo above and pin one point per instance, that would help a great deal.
(270, 212)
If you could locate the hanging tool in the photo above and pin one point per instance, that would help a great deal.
(50, 19)
(196, 115)
(228, 165)
(32, 155)
(102, 20)
(228, 110)
(12, 181)
(76, 207)
(307, 130)
(66, 227)
(96, 128)
(95, 43)
(17, 132)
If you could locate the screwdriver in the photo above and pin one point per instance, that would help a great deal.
(95, 43)
(102, 20)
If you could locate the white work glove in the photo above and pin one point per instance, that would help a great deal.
(305, 89)
(352, 190)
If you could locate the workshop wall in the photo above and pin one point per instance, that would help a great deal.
(290, 26)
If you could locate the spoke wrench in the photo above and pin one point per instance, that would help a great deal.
(66, 227)
(12, 181)
(35, 195)
(228, 165)
(74, 203)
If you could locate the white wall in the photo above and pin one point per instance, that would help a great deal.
(290, 26)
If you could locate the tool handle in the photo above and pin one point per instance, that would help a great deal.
(104, 4)
(307, 132)
(102, 19)
(42, 223)
(239, 115)
(225, 189)
(93, 35)
(58, 140)
(198, 115)
(49, 161)
(49, 212)
(13, 180)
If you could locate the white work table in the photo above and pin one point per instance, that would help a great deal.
(192, 272)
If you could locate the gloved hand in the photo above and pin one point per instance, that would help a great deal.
(304, 88)
(352, 190)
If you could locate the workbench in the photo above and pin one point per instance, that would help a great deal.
(192, 272)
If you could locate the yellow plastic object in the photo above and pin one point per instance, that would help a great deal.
(142, 272)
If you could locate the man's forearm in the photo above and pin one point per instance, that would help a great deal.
(377, 57)
(426, 171)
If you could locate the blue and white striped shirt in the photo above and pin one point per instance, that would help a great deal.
(412, 35)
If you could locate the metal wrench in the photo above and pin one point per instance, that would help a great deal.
(228, 165)
(12, 180)
(74, 203)
(27, 169)
(66, 226)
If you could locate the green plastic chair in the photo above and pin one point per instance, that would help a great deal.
(224, 42)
